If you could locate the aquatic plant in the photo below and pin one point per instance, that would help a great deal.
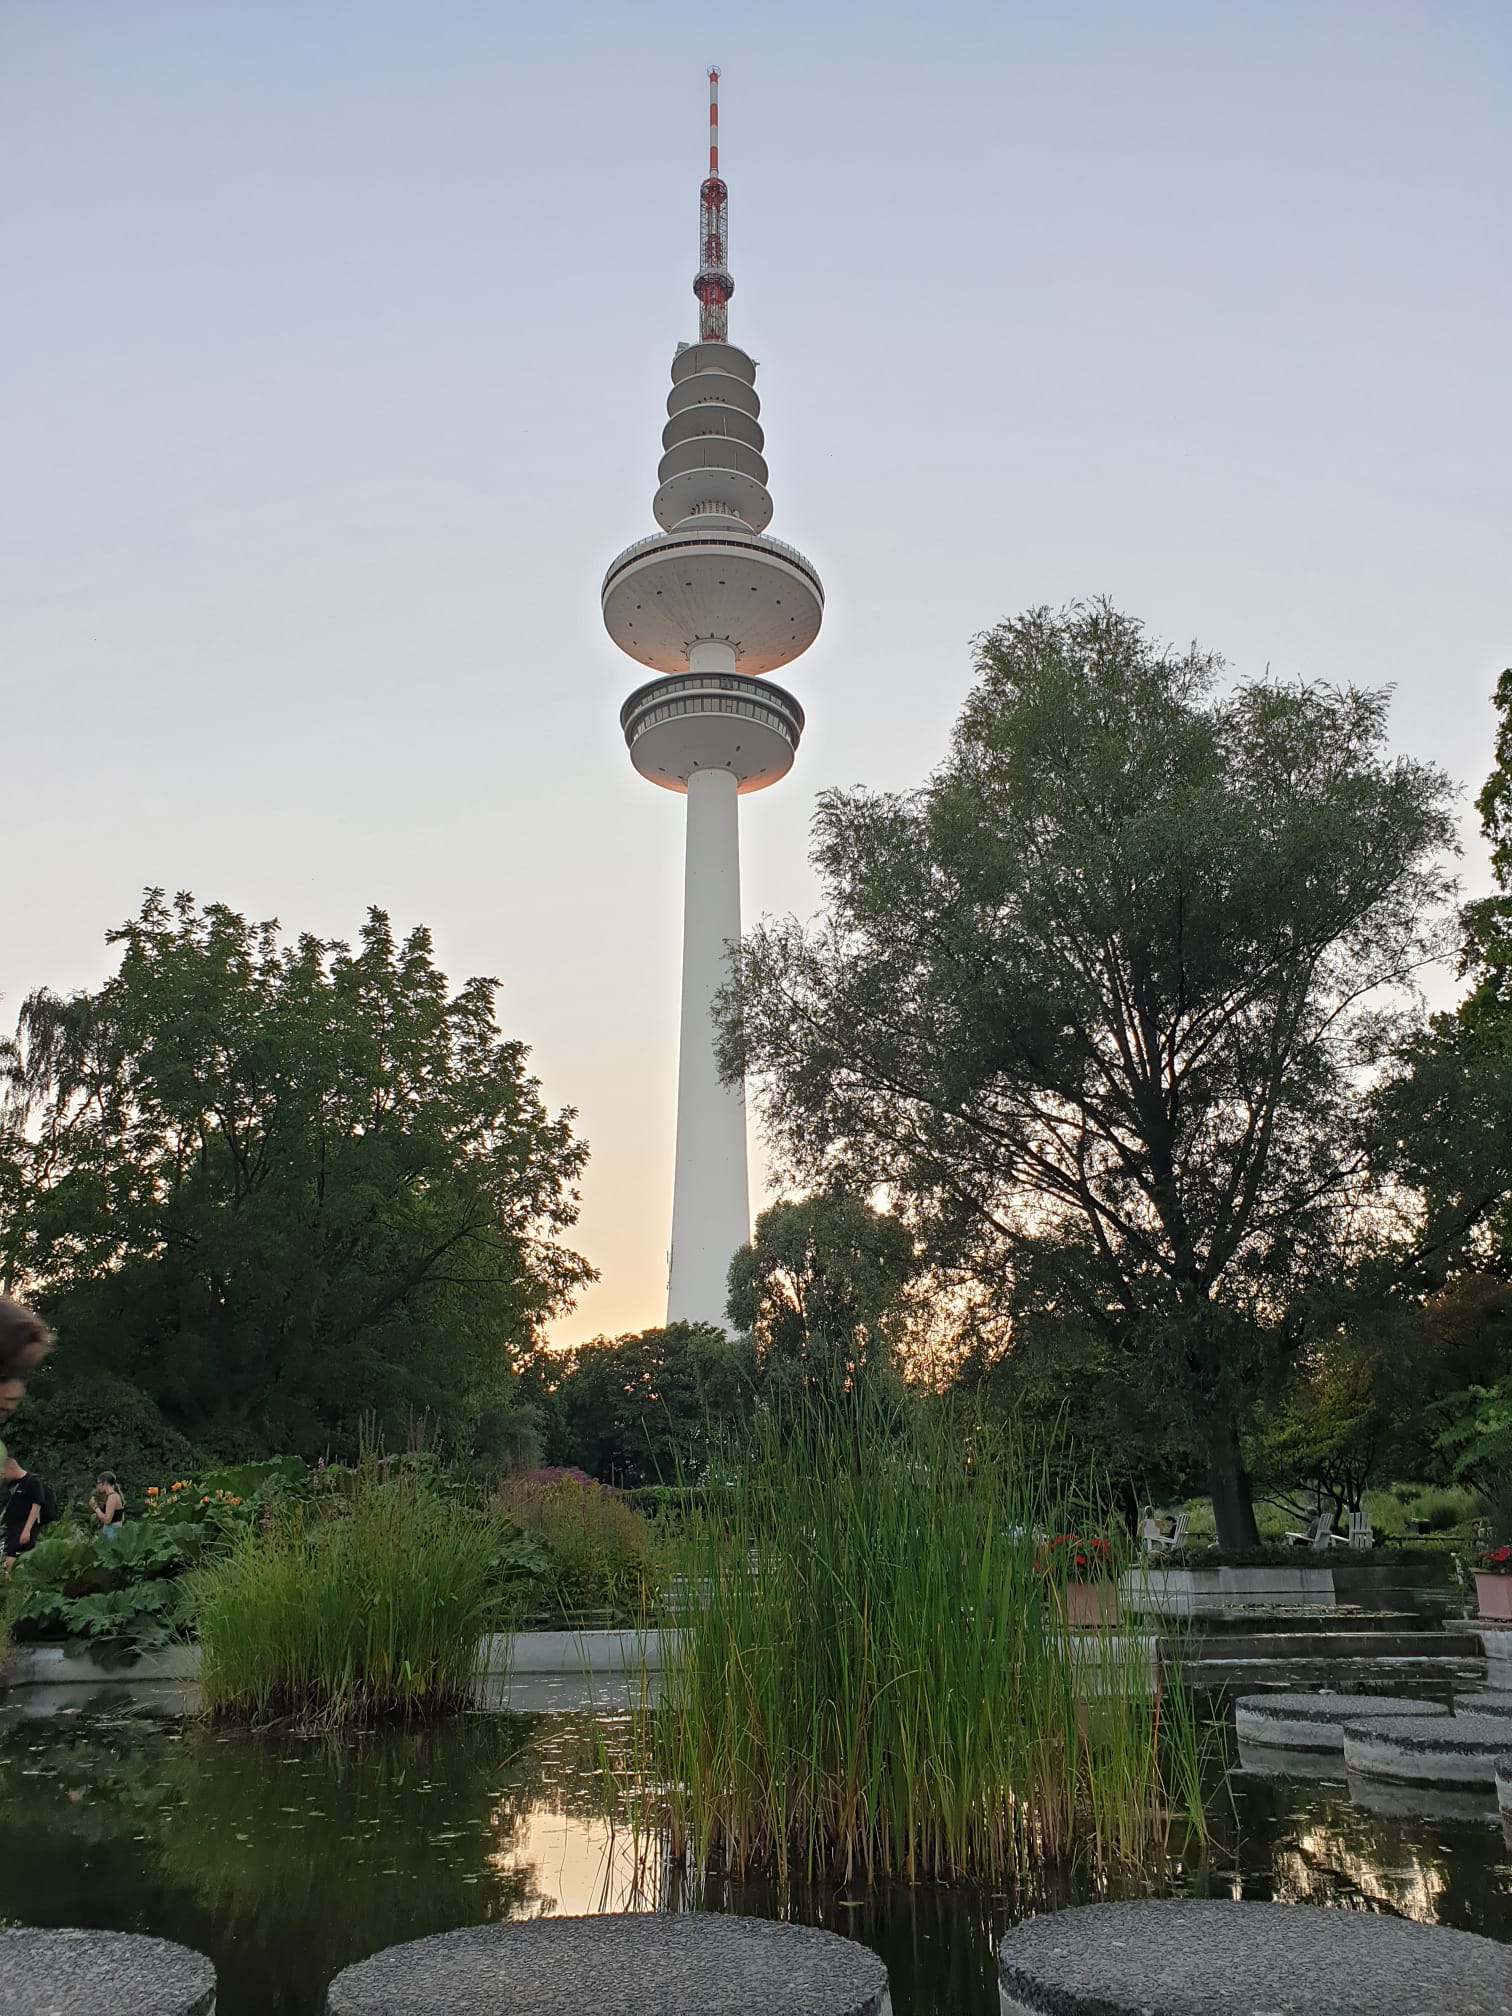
(875, 1676)
(358, 1605)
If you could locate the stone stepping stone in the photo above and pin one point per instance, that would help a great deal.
(695, 1963)
(101, 1974)
(1214, 1958)
(1456, 1750)
(1484, 1701)
(1273, 1760)
(1316, 1721)
(1463, 1805)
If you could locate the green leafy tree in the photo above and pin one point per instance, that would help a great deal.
(1442, 1127)
(821, 1289)
(645, 1408)
(1442, 1122)
(1323, 1436)
(278, 1187)
(1087, 1412)
(1093, 1003)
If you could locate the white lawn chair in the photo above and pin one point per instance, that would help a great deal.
(1319, 1532)
(1360, 1533)
(1173, 1541)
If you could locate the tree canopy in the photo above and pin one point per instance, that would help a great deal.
(820, 1288)
(1094, 1002)
(276, 1187)
(647, 1407)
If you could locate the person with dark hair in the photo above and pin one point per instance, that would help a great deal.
(26, 1511)
(25, 1341)
(108, 1504)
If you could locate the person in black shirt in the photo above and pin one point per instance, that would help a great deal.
(24, 1504)
(108, 1504)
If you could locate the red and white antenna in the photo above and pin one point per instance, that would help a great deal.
(713, 284)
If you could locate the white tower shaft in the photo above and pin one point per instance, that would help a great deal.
(711, 1211)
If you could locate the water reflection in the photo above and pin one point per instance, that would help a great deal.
(284, 1858)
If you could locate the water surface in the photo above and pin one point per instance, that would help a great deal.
(286, 1857)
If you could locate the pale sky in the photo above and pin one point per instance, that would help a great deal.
(333, 361)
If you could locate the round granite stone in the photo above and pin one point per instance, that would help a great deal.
(1485, 1701)
(1276, 1760)
(1452, 1750)
(649, 1964)
(1315, 1721)
(1213, 1958)
(101, 1974)
(1419, 1799)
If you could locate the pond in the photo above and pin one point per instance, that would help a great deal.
(285, 1857)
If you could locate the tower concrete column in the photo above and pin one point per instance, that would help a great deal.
(711, 1210)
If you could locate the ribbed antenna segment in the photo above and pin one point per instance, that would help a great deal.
(713, 284)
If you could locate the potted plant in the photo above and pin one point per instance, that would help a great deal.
(1080, 1575)
(1493, 1582)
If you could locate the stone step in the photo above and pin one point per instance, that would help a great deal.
(651, 1962)
(1246, 1623)
(1293, 1644)
(1214, 1957)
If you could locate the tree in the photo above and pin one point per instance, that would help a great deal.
(1093, 1002)
(646, 1408)
(278, 1187)
(1090, 1417)
(1441, 1122)
(1327, 1429)
(818, 1288)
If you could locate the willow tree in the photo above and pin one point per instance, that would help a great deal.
(1093, 1004)
(265, 1188)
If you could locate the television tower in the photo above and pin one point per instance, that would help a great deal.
(710, 604)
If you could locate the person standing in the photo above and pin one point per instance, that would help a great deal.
(107, 1504)
(25, 1509)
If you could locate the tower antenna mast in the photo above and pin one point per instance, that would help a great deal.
(713, 284)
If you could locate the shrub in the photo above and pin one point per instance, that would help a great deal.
(667, 1501)
(364, 1603)
(122, 1597)
(70, 1432)
(598, 1552)
(228, 1495)
(1443, 1511)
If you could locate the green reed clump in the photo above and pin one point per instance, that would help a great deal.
(365, 1603)
(875, 1676)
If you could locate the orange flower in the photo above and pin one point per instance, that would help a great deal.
(152, 1490)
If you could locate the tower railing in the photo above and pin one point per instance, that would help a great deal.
(762, 541)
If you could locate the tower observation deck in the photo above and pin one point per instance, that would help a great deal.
(710, 605)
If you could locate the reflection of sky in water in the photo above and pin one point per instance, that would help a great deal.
(284, 1858)
(580, 1866)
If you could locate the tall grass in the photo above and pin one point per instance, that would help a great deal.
(365, 1604)
(876, 1678)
